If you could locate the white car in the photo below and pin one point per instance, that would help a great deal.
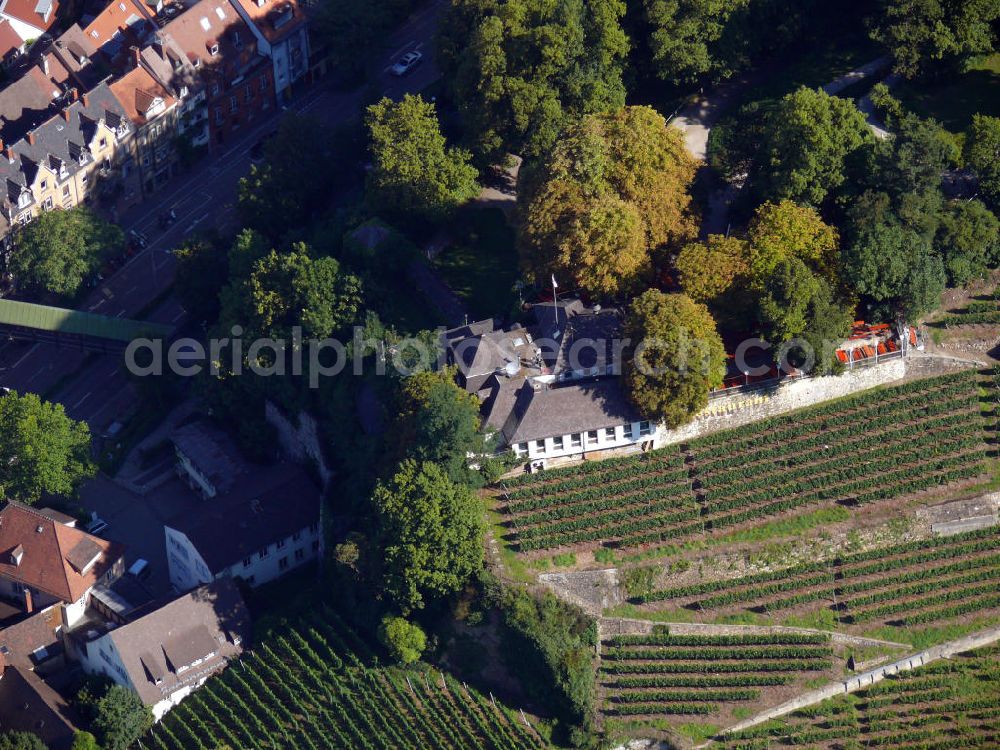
(406, 63)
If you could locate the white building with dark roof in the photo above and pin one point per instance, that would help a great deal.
(169, 652)
(255, 522)
(551, 391)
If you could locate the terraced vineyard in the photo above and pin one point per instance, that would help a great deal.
(661, 674)
(309, 688)
(916, 583)
(868, 448)
(976, 312)
(945, 705)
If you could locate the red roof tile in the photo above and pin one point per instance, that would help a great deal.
(48, 548)
(27, 11)
(137, 90)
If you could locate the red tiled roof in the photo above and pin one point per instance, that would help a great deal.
(208, 22)
(113, 19)
(24, 10)
(48, 548)
(9, 39)
(276, 19)
(137, 90)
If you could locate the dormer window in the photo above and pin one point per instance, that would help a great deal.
(23, 199)
(213, 49)
(16, 555)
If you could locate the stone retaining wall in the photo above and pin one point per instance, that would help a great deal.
(867, 679)
(738, 409)
(299, 442)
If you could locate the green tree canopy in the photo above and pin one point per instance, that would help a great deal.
(915, 157)
(302, 165)
(60, 249)
(615, 187)
(799, 304)
(282, 290)
(414, 173)
(685, 36)
(84, 741)
(890, 261)
(432, 531)
(785, 230)
(708, 269)
(968, 240)
(439, 422)
(121, 718)
(202, 271)
(675, 359)
(41, 448)
(982, 154)
(920, 33)
(21, 741)
(800, 149)
(519, 71)
(404, 640)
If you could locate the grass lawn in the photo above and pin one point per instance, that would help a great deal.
(481, 266)
(954, 100)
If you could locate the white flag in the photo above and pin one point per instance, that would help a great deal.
(554, 284)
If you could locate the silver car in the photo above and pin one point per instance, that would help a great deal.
(406, 63)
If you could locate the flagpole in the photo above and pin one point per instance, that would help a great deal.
(555, 306)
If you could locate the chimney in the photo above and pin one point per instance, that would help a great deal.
(85, 99)
(65, 114)
(31, 138)
(45, 64)
(9, 153)
(29, 605)
(74, 94)
(136, 56)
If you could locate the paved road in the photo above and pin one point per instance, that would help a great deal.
(697, 119)
(94, 388)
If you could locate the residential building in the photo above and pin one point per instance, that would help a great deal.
(168, 653)
(237, 76)
(153, 112)
(255, 523)
(44, 562)
(122, 24)
(172, 68)
(27, 704)
(34, 642)
(12, 45)
(555, 421)
(57, 162)
(29, 18)
(281, 29)
(551, 391)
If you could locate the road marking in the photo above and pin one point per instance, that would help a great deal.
(24, 356)
(78, 403)
(178, 316)
(131, 289)
(120, 313)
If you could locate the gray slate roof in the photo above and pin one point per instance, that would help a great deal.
(175, 635)
(541, 412)
(264, 505)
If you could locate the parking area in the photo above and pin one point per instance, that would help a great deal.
(137, 521)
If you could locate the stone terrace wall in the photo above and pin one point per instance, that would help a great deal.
(299, 442)
(739, 409)
(867, 679)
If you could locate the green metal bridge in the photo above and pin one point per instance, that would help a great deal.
(82, 330)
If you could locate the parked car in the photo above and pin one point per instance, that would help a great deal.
(97, 525)
(257, 150)
(406, 63)
(140, 569)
